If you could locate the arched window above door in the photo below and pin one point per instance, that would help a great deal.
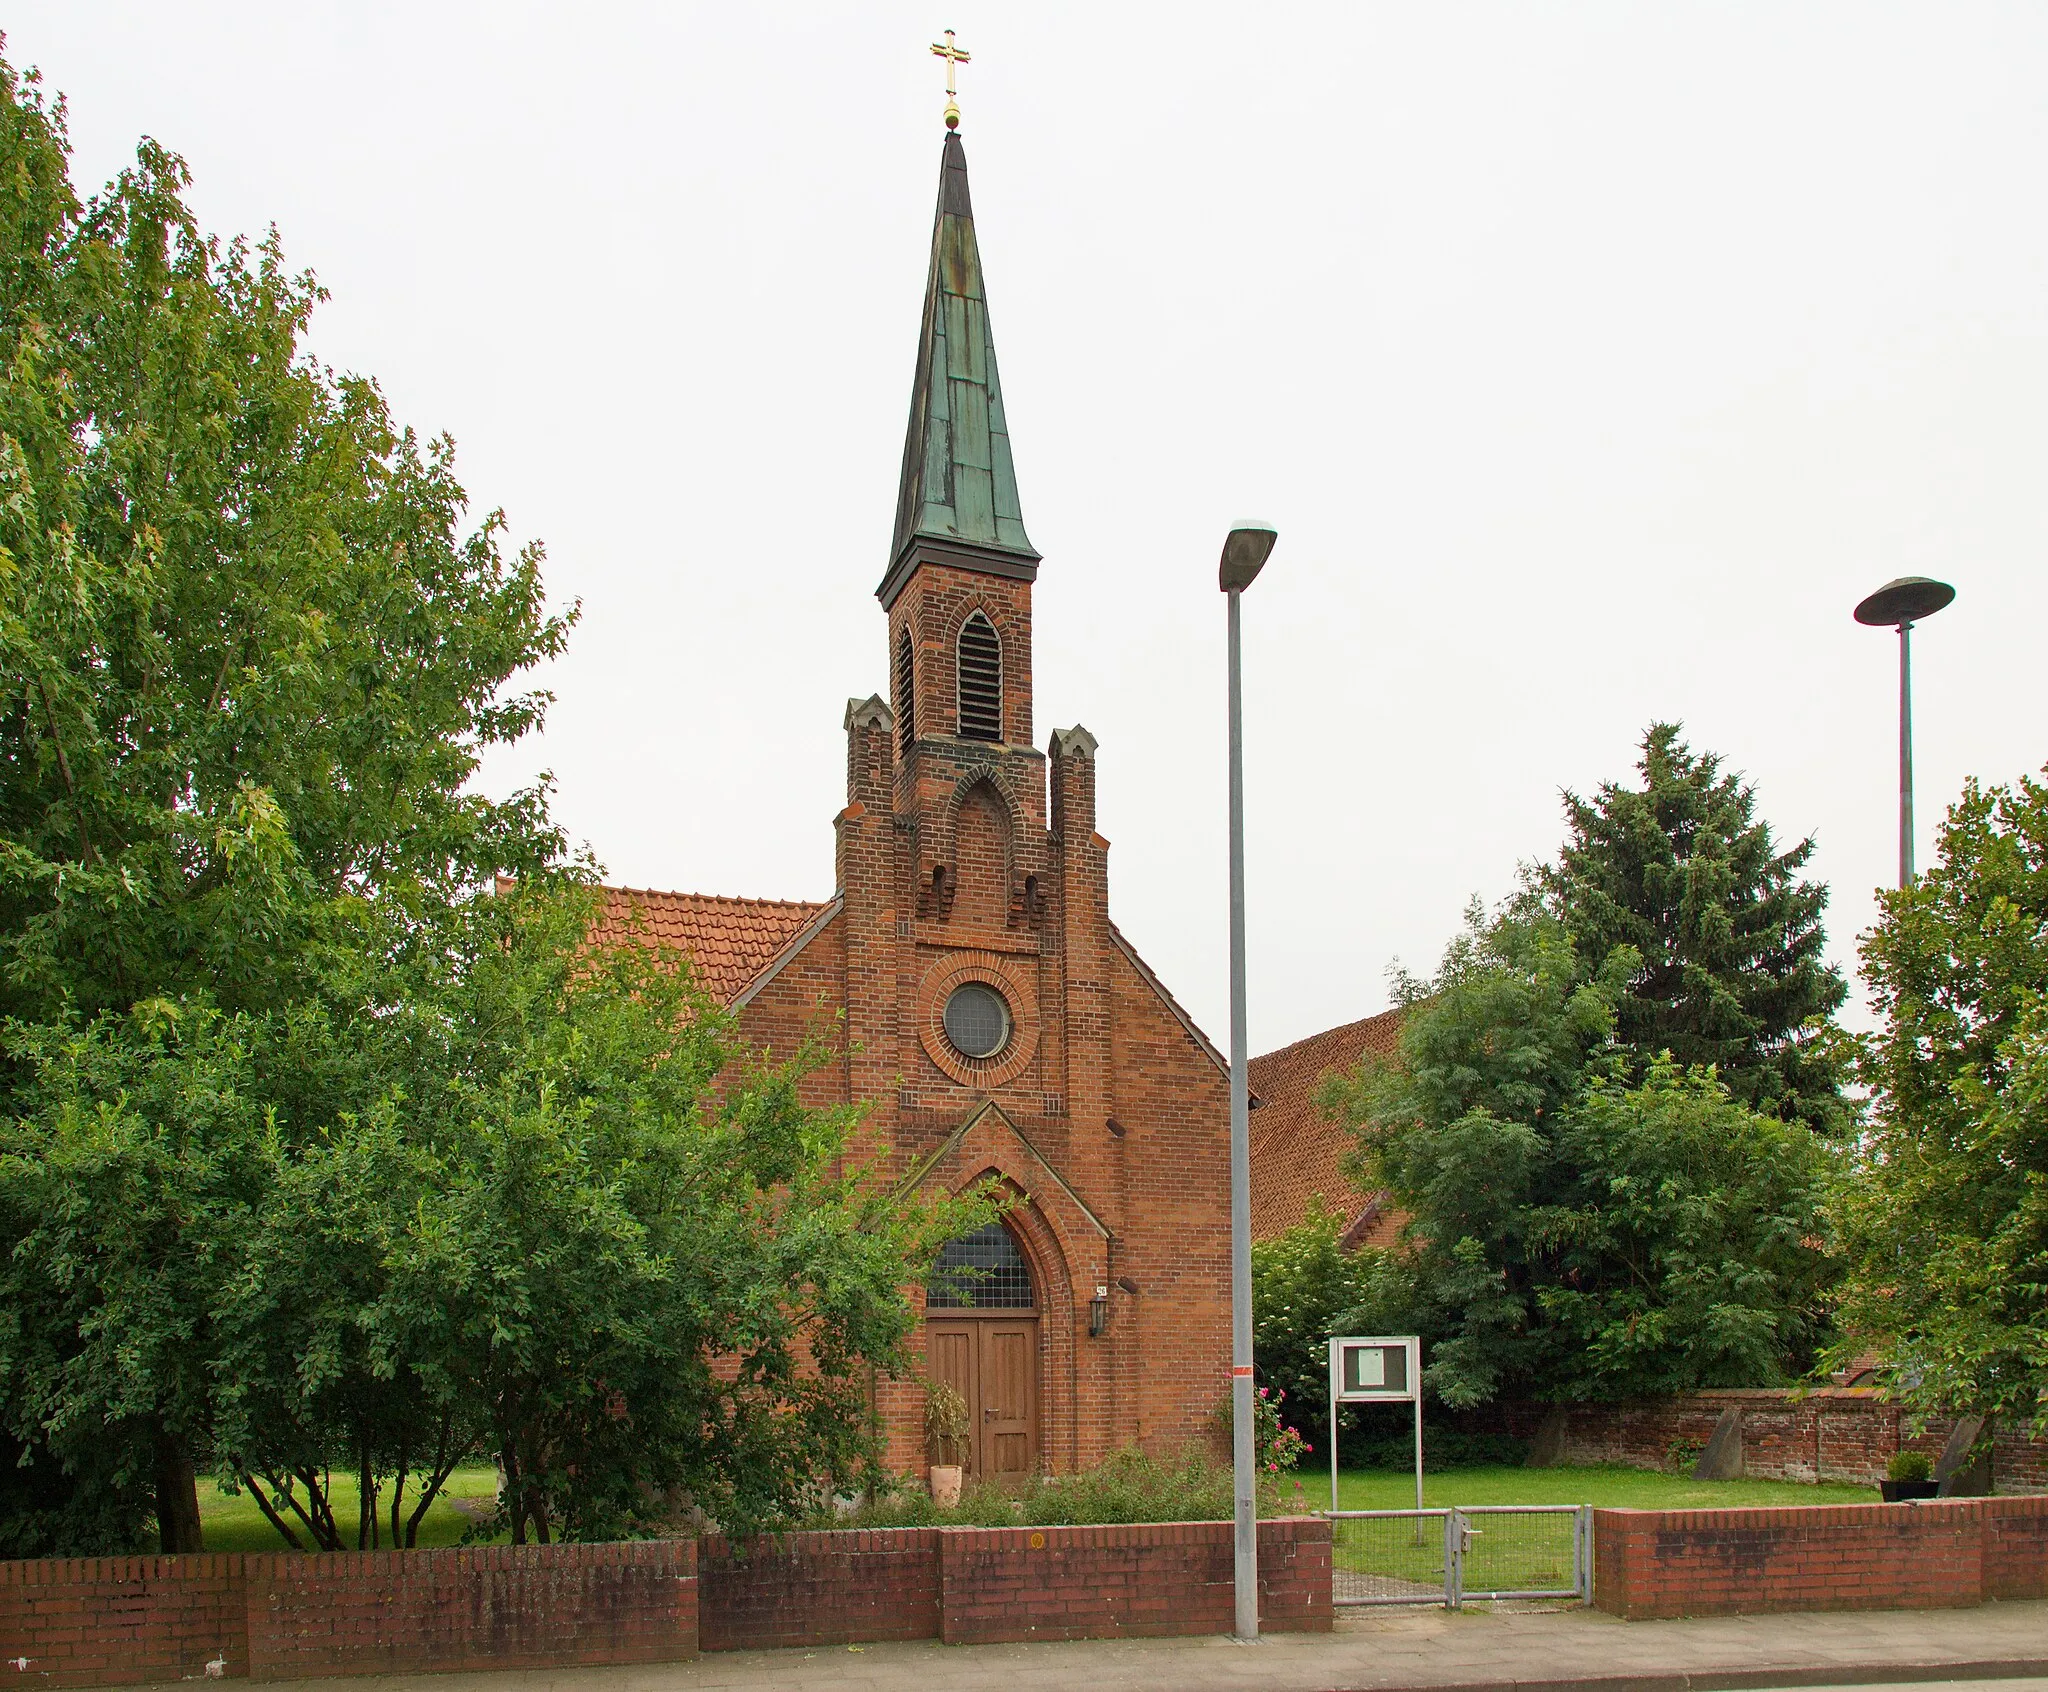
(984, 1270)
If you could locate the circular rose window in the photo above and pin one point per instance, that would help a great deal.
(977, 1020)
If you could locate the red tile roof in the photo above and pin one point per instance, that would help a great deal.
(1296, 1149)
(730, 941)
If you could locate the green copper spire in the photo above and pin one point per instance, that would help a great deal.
(958, 497)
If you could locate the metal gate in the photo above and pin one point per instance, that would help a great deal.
(1446, 1556)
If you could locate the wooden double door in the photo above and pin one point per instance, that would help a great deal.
(993, 1362)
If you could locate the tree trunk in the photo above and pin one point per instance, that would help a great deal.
(178, 1528)
(366, 1504)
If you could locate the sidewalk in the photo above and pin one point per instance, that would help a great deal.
(1437, 1649)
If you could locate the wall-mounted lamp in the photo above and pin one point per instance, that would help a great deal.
(1098, 1313)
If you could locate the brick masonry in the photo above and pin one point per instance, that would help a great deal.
(1944, 1554)
(1105, 1116)
(971, 1586)
(1833, 1434)
(481, 1607)
(964, 852)
(113, 1621)
(845, 1588)
(124, 1621)
(1127, 1582)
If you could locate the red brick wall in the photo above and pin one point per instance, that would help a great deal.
(1173, 1171)
(2016, 1548)
(117, 1621)
(477, 1607)
(1835, 1434)
(1945, 1554)
(114, 1621)
(111, 1621)
(820, 1589)
(976, 1585)
(1119, 1582)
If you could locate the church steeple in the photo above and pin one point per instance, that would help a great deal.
(957, 502)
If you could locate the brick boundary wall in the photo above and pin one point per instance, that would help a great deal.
(471, 1607)
(1833, 1433)
(847, 1587)
(1943, 1554)
(114, 1621)
(111, 1621)
(1161, 1579)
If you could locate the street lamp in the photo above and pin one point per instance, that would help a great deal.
(1244, 555)
(1902, 603)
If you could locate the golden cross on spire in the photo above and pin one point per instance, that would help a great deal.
(953, 55)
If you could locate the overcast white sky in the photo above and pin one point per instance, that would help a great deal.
(1592, 360)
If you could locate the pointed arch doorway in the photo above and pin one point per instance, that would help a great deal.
(981, 1338)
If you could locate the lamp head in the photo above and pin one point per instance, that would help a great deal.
(1245, 552)
(1906, 600)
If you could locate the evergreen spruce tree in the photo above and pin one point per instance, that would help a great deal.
(1729, 936)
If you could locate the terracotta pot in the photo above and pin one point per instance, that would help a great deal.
(945, 1479)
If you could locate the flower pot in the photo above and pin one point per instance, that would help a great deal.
(945, 1482)
(1897, 1492)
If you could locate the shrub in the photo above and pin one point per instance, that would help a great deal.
(948, 1428)
(1129, 1487)
(1385, 1439)
(1908, 1466)
(1276, 1447)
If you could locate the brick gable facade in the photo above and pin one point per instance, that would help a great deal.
(966, 857)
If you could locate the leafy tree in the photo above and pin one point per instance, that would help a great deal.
(248, 660)
(125, 1184)
(1728, 940)
(637, 1265)
(1945, 1216)
(566, 1222)
(248, 663)
(1578, 1231)
(1305, 1288)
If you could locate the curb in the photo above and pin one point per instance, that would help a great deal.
(1739, 1680)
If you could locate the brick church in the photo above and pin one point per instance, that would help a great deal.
(992, 1012)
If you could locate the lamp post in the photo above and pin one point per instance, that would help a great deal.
(1244, 555)
(1902, 603)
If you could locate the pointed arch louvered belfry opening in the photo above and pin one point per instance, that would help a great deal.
(981, 680)
(906, 692)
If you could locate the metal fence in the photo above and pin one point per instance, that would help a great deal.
(1446, 1556)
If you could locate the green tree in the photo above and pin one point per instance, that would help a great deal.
(126, 1181)
(633, 1261)
(1944, 1217)
(1579, 1231)
(552, 1211)
(249, 660)
(1728, 939)
(1306, 1288)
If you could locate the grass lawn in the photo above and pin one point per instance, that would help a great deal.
(1608, 1485)
(233, 1523)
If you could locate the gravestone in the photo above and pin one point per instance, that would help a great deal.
(1546, 1445)
(1722, 1459)
(1962, 1474)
